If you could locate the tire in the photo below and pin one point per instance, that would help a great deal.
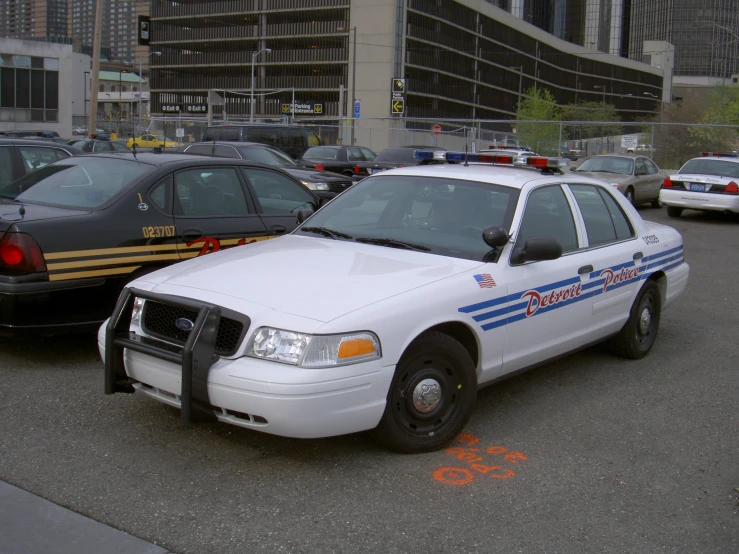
(443, 362)
(672, 211)
(629, 194)
(637, 336)
(656, 204)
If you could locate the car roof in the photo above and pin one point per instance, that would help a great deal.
(34, 142)
(723, 158)
(510, 176)
(231, 143)
(174, 157)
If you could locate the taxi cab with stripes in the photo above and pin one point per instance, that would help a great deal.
(426, 283)
(72, 233)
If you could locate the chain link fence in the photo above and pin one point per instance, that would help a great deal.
(670, 145)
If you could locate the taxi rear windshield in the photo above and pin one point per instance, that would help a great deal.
(703, 166)
(84, 182)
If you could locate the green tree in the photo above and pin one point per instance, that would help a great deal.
(598, 119)
(722, 108)
(540, 108)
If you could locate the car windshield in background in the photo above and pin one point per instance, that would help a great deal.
(321, 153)
(430, 214)
(84, 182)
(267, 156)
(707, 166)
(608, 164)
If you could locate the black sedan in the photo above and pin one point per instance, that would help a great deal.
(256, 152)
(75, 231)
(96, 144)
(339, 159)
(403, 156)
(21, 156)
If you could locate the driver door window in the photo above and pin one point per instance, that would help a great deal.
(278, 194)
(548, 215)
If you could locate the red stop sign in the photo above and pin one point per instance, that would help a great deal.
(436, 129)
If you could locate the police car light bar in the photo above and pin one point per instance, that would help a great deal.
(539, 162)
(718, 154)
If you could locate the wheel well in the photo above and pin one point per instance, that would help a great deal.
(461, 333)
(660, 278)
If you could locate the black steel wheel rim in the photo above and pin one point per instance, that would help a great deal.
(646, 322)
(425, 368)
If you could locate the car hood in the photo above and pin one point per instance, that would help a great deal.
(316, 278)
(307, 174)
(606, 177)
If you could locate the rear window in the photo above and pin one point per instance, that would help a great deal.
(322, 153)
(707, 166)
(84, 182)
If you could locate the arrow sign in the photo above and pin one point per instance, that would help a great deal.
(398, 106)
(286, 108)
(317, 108)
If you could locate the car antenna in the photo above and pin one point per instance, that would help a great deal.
(213, 150)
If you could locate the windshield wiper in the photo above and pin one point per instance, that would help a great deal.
(327, 232)
(393, 243)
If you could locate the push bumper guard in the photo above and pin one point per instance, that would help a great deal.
(196, 357)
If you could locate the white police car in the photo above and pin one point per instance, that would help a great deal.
(708, 183)
(389, 307)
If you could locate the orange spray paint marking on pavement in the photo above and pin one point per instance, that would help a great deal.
(453, 476)
(458, 476)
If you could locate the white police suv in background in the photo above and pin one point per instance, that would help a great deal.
(424, 283)
(709, 183)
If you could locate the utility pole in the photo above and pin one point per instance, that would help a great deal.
(95, 70)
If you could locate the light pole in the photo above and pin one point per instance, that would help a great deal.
(85, 101)
(141, 83)
(354, 74)
(120, 98)
(251, 99)
(520, 82)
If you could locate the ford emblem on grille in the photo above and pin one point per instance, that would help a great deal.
(184, 324)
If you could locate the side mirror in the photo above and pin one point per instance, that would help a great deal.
(495, 237)
(537, 249)
(304, 214)
(573, 168)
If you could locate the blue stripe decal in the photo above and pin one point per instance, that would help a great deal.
(663, 261)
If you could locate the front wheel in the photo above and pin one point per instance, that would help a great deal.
(629, 194)
(637, 336)
(431, 397)
(672, 211)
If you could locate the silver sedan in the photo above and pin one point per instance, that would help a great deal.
(637, 177)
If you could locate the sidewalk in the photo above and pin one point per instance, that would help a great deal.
(31, 525)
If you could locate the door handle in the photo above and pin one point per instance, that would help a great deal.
(192, 234)
(278, 229)
(638, 256)
(585, 269)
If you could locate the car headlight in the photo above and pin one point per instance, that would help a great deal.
(313, 351)
(315, 185)
(138, 306)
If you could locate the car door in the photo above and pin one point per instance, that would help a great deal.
(549, 309)
(279, 197)
(641, 180)
(212, 210)
(656, 178)
(615, 254)
(8, 166)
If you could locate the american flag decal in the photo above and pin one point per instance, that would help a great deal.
(484, 280)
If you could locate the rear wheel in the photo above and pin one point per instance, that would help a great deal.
(637, 336)
(431, 397)
(672, 211)
(629, 194)
(656, 204)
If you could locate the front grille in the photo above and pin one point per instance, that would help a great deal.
(159, 321)
(339, 186)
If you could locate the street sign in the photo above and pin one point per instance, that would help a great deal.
(171, 108)
(397, 96)
(436, 129)
(303, 108)
(357, 108)
(629, 142)
(196, 108)
(318, 108)
(180, 132)
(286, 108)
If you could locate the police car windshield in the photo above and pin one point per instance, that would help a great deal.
(707, 166)
(83, 182)
(438, 215)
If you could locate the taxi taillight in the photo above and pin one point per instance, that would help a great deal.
(19, 252)
(731, 188)
(667, 184)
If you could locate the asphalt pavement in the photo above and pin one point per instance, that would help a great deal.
(589, 454)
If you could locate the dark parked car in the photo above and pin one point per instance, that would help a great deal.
(404, 156)
(252, 152)
(96, 143)
(21, 156)
(292, 140)
(339, 159)
(21, 133)
(74, 232)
